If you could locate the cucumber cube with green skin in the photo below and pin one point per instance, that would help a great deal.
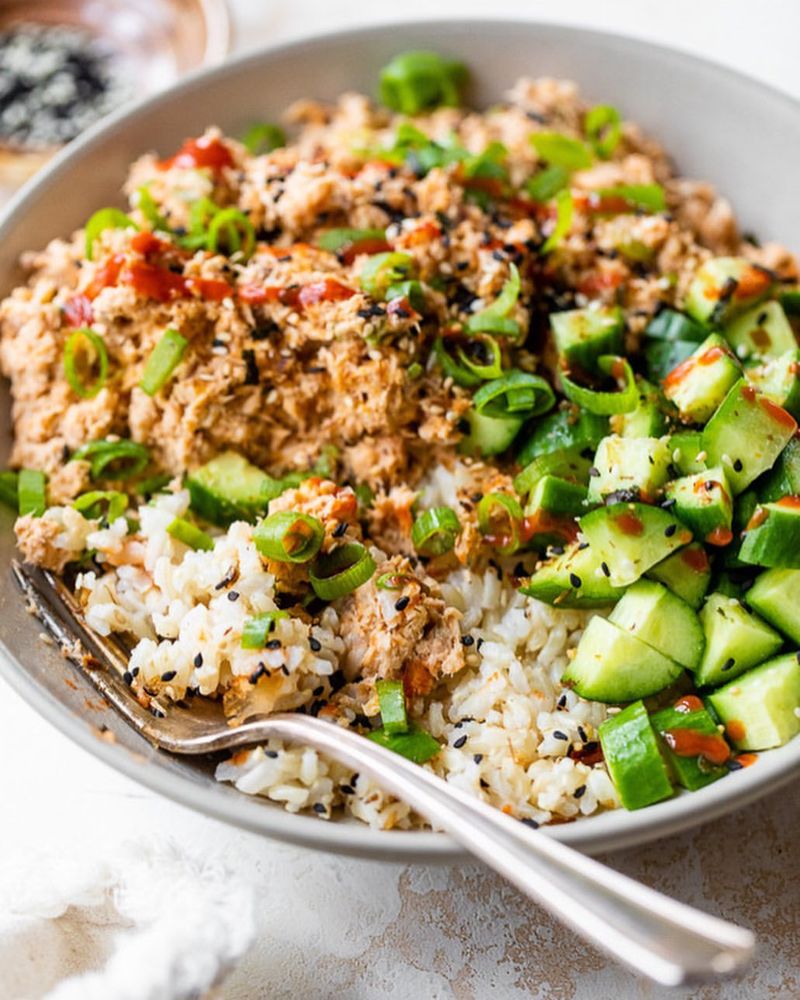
(551, 510)
(633, 757)
(695, 771)
(746, 435)
(704, 503)
(686, 573)
(726, 286)
(566, 428)
(760, 708)
(652, 613)
(700, 383)
(779, 380)
(772, 537)
(776, 597)
(668, 324)
(566, 464)
(488, 435)
(229, 488)
(686, 452)
(639, 466)
(649, 419)
(631, 537)
(613, 666)
(736, 640)
(744, 506)
(582, 335)
(783, 479)
(572, 580)
(661, 356)
(761, 332)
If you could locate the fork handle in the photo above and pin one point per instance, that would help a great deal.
(667, 941)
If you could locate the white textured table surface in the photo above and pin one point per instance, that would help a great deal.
(364, 930)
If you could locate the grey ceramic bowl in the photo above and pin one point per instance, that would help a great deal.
(719, 126)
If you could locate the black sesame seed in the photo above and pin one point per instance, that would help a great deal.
(666, 504)
(477, 757)
(318, 691)
(530, 822)
(251, 375)
(575, 581)
(233, 595)
(594, 472)
(319, 808)
(579, 791)
(272, 754)
(467, 640)
(135, 671)
(738, 465)
(734, 765)
(519, 570)
(273, 644)
(582, 546)
(402, 603)
(484, 784)
(314, 644)
(340, 529)
(605, 569)
(198, 660)
(558, 735)
(346, 789)
(128, 677)
(285, 669)
(480, 643)
(728, 664)
(459, 743)
(670, 530)
(582, 734)
(169, 675)
(562, 701)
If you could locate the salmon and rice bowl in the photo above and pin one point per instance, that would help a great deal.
(472, 431)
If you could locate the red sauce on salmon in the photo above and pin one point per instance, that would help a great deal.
(106, 276)
(296, 296)
(196, 154)
(78, 311)
(369, 246)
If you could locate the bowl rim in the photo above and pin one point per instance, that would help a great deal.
(591, 834)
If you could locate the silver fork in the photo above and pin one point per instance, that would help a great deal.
(665, 940)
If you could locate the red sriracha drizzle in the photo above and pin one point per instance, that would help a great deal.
(78, 311)
(198, 153)
(691, 743)
(296, 296)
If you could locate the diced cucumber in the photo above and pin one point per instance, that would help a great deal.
(686, 572)
(735, 641)
(648, 419)
(744, 506)
(700, 383)
(725, 286)
(686, 449)
(671, 325)
(760, 708)
(551, 511)
(566, 464)
(761, 332)
(746, 435)
(567, 428)
(631, 537)
(783, 479)
(684, 735)
(662, 356)
(582, 335)
(653, 614)
(779, 380)
(229, 488)
(633, 758)
(772, 536)
(488, 435)
(639, 466)
(572, 580)
(704, 503)
(776, 597)
(613, 666)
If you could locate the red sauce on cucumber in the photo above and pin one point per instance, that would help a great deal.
(543, 522)
(198, 153)
(749, 393)
(629, 524)
(695, 559)
(692, 743)
(735, 729)
(720, 536)
(793, 502)
(746, 759)
(688, 703)
(758, 518)
(777, 413)
(679, 373)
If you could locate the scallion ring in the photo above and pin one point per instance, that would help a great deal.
(565, 210)
(435, 531)
(121, 459)
(289, 536)
(232, 230)
(335, 240)
(105, 218)
(566, 463)
(263, 137)
(602, 402)
(149, 209)
(384, 269)
(417, 81)
(9, 488)
(494, 318)
(75, 348)
(162, 362)
(547, 183)
(515, 394)
(256, 629)
(603, 126)
(32, 492)
(96, 504)
(500, 517)
(392, 702)
(201, 213)
(341, 571)
(641, 197)
(416, 745)
(412, 290)
(559, 150)
(189, 534)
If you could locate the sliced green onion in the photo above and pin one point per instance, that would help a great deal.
(153, 484)
(113, 459)
(416, 745)
(9, 490)
(451, 367)
(76, 345)
(547, 183)
(494, 318)
(566, 463)
(149, 209)
(790, 300)
(184, 531)
(32, 492)
(565, 209)
(335, 240)
(232, 230)
(464, 369)
(201, 214)
(289, 536)
(671, 325)
(256, 629)
(515, 394)
(384, 269)
(414, 371)
(392, 581)
(434, 532)
(417, 81)
(646, 197)
(105, 218)
(510, 515)
(164, 359)
(341, 571)
(411, 290)
(97, 504)
(392, 701)
(603, 126)
(559, 150)
(603, 403)
(263, 138)
(364, 494)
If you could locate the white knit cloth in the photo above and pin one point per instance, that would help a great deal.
(160, 923)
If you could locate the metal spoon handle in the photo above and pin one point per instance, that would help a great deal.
(654, 935)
